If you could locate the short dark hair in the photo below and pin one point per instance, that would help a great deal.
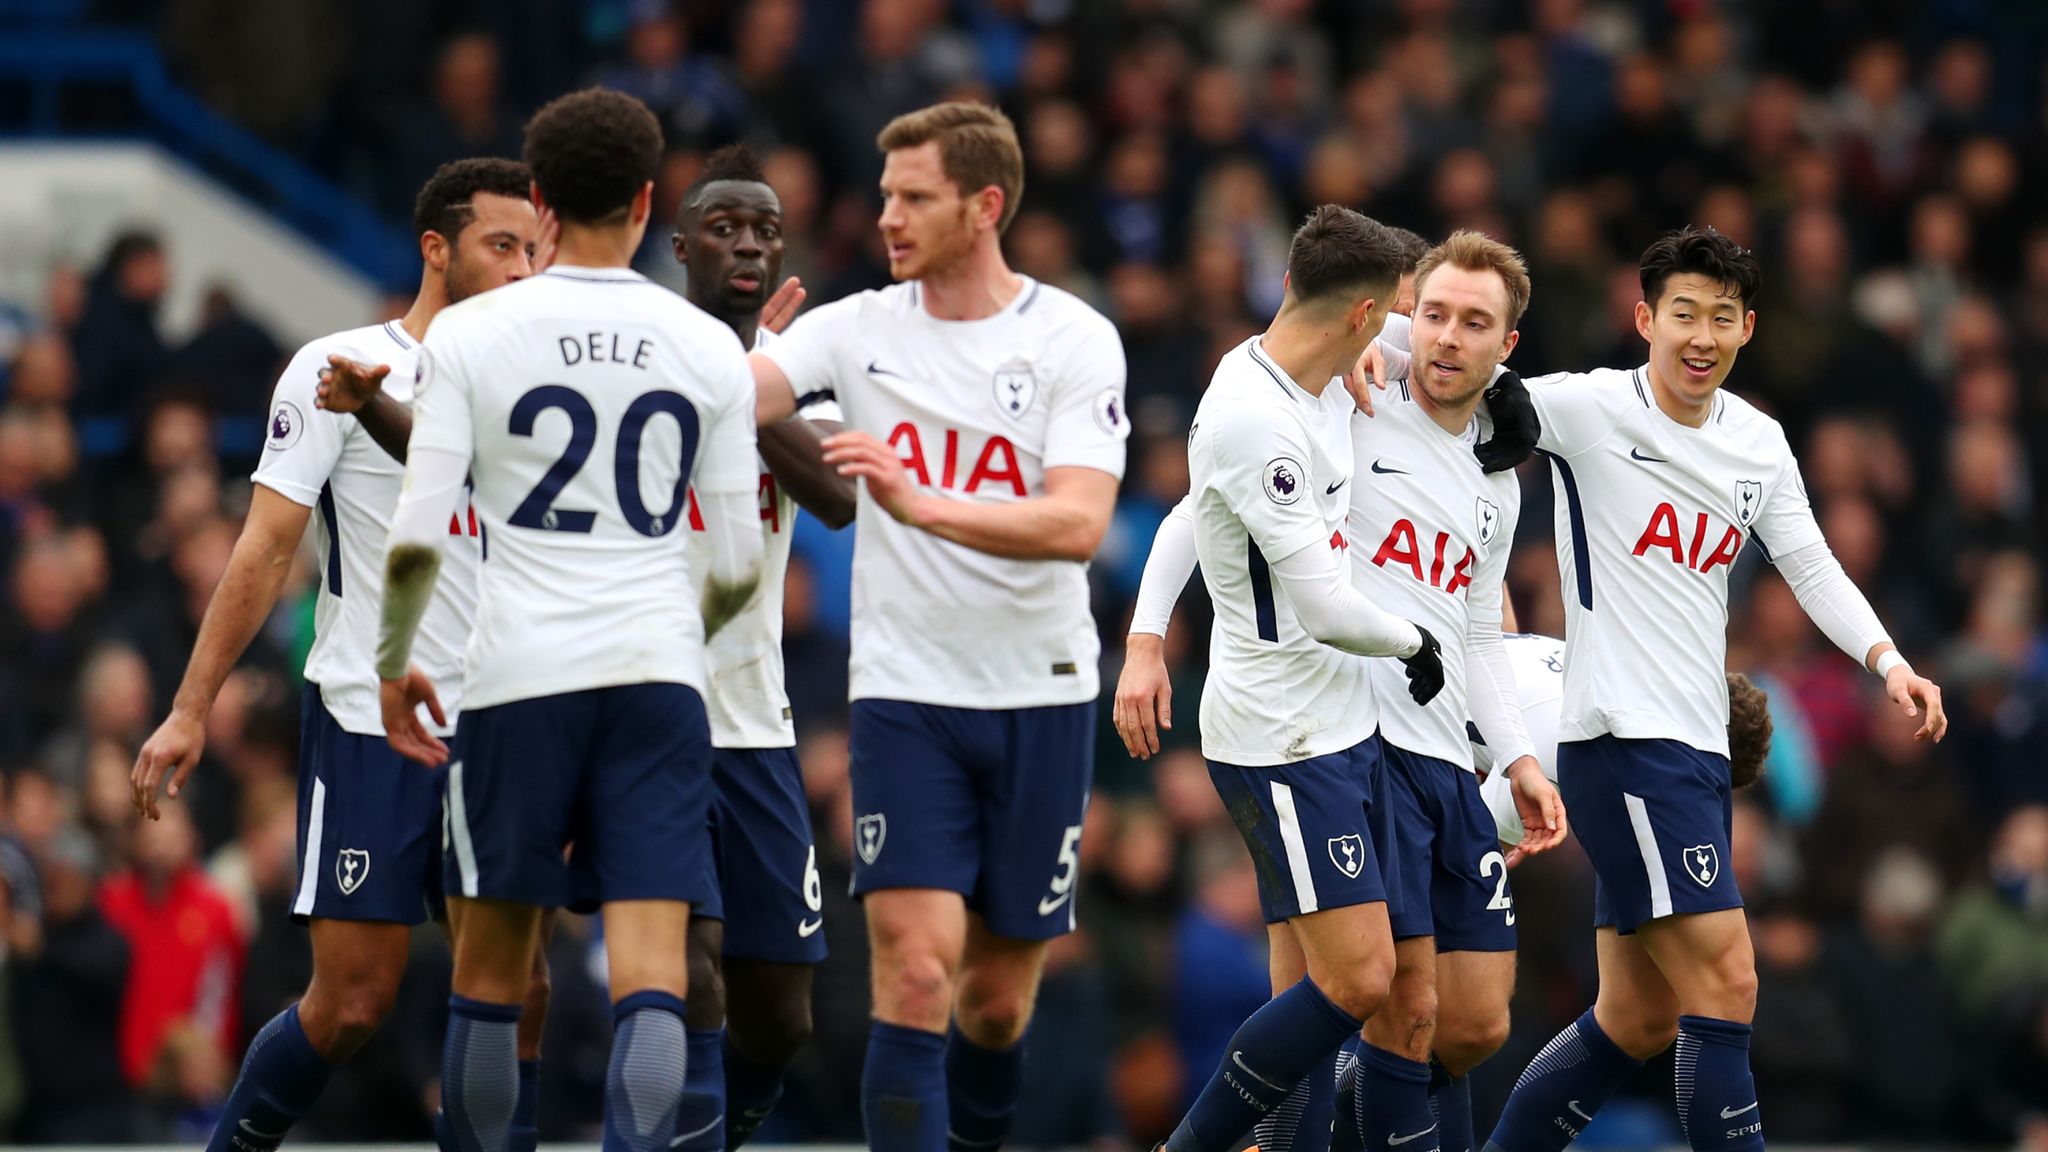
(1478, 252)
(1700, 252)
(977, 147)
(1413, 248)
(447, 201)
(1749, 730)
(1337, 249)
(732, 162)
(591, 152)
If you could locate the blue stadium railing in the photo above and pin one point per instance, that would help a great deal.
(42, 52)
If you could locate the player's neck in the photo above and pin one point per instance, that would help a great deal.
(975, 287)
(593, 246)
(1307, 350)
(1453, 419)
(425, 306)
(1675, 406)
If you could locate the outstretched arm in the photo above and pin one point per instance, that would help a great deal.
(353, 388)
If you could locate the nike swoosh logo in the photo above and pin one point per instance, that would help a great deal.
(252, 1130)
(1333, 488)
(1237, 1058)
(875, 369)
(1393, 1139)
(1637, 454)
(1728, 1114)
(1575, 1110)
(807, 927)
(1047, 905)
(715, 1122)
(1388, 471)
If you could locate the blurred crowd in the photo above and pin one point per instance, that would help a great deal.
(1880, 155)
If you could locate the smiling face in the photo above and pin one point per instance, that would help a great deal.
(495, 248)
(732, 242)
(1695, 327)
(1461, 331)
(928, 222)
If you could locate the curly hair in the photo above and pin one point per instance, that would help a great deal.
(446, 203)
(591, 152)
(1749, 730)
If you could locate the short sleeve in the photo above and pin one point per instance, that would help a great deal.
(818, 347)
(1088, 421)
(1262, 473)
(303, 442)
(1577, 409)
(727, 458)
(1785, 523)
(442, 419)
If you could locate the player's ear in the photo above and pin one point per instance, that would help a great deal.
(1748, 326)
(643, 204)
(681, 247)
(1644, 316)
(434, 250)
(1508, 346)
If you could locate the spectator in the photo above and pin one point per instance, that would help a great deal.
(465, 118)
(234, 355)
(180, 1012)
(71, 1003)
(117, 345)
(1995, 938)
(698, 104)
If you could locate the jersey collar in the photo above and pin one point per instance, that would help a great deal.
(577, 272)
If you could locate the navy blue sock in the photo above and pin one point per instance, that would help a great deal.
(1393, 1096)
(1346, 1134)
(982, 1086)
(479, 1076)
(643, 1087)
(281, 1077)
(751, 1091)
(1561, 1090)
(700, 1126)
(525, 1133)
(903, 1089)
(1716, 1093)
(1450, 1102)
(1302, 1121)
(1288, 1036)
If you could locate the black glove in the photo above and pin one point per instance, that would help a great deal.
(1515, 424)
(1425, 668)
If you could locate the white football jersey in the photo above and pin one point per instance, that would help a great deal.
(1427, 528)
(977, 410)
(587, 401)
(748, 703)
(1538, 662)
(1267, 468)
(1650, 516)
(326, 461)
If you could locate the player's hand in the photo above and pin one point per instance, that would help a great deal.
(1539, 806)
(1916, 694)
(863, 457)
(1515, 424)
(1425, 668)
(550, 241)
(1143, 690)
(400, 701)
(348, 385)
(781, 307)
(173, 750)
(1375, 368)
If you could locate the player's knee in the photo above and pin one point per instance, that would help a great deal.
(348, 1012)
(1735, 989)
(1466, 1041)
(776, 1032)
(1642, 1036)
(1360, 989)
(915, 989)
(994, 1015)
(705, 1004)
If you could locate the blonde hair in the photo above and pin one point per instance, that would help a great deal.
(1478, 252)
(977, 148)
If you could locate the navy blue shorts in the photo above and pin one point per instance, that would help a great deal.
(1453, 878)
(623, 773)
(765, 884)
(984, 802)
(1654, 817)
(1317, 829)
(369, 826)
